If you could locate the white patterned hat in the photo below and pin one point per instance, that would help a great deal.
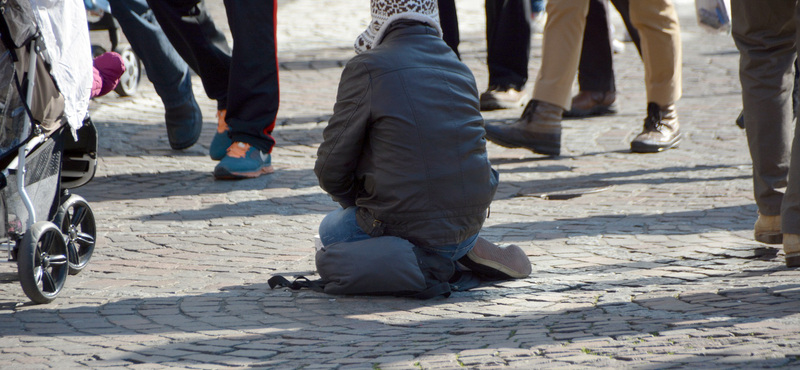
(384, 12)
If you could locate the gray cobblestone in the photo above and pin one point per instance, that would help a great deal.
(658, 271)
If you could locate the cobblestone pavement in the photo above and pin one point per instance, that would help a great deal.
(658, 270)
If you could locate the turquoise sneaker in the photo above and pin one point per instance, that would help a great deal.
(242, 162)
(221, 142)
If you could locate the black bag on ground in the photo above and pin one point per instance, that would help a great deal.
(383, 265)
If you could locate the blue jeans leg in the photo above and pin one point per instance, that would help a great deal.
(455, 251)
(165, 68)
(537, 6)
(341, 226)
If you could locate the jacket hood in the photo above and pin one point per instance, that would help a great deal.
(385, 12)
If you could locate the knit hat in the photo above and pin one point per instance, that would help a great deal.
(384, 12)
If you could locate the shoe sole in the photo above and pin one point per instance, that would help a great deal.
(593, 112)
(536, 147)
(769, 238)
(224, 174)
(499, 266)
(646, 148)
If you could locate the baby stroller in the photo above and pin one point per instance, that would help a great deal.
(49, 232)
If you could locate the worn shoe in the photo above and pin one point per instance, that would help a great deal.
(497, 262)
(592, 103)
(791, 246)
(768, 229)
(184, 124)
(220, 142)
(538, 130)
(661, 130)
(503, 98)
(243, 161)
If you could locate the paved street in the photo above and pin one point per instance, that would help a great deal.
(655, 269)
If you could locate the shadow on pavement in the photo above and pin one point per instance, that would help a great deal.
(286, 206)
(188, 183)
(132, 139)
(733, 218)
(254, 326)
(655, 176)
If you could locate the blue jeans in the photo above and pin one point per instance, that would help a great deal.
(165, 68)
(537, 6)
(341, 226)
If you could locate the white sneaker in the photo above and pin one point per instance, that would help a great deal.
(617, 46)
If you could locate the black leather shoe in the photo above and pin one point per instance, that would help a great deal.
(184, 124)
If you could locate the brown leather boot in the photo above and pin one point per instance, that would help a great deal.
(539, 129)
(502, 98)
(791, 246)
(768, 229)
(592, 103)
(661, 130)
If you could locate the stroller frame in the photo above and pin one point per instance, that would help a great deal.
(59, 231)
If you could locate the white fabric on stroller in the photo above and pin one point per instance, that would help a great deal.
(66, 36)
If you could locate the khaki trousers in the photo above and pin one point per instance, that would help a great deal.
(659, 30)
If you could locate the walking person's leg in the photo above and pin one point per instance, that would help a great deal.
(766, 38)
(623, 7)
(539, 127)
(561, 51)
(192, 32)
(202, 45)
(449, 19)
(657, 23)
(253, 93)
(596, 70)
(165, 69)
(508, 41)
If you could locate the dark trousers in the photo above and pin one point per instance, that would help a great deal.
(449, 21)
(596, 68)
(766, 36)
(245, 80)
(508, 42)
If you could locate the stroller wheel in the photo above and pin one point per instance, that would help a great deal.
(97, 51)
(42, 262)
(76, 221)
(129, 81)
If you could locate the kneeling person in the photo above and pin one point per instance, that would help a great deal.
(404, 153)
